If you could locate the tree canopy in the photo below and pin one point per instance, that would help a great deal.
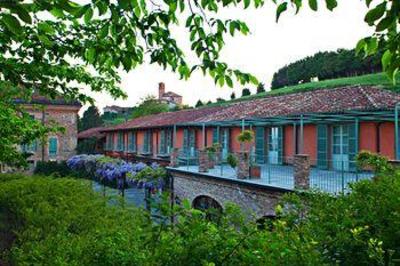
(149, 105)
(326, 65)
(60, 47)
(91, 118)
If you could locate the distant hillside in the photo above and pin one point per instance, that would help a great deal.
(379, 79)
(326, 65)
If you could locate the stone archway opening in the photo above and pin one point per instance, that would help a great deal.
(212, 209)
(266, 222)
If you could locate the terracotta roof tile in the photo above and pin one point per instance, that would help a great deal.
(317, 101)
(92, 132)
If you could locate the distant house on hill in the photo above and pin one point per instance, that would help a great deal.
(169, 97)
(117, 110)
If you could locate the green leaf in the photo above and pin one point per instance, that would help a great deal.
(375, 14)
(46, 28)
(229, 81)
(56, 12)
(12, 24)
(385, 23)
(90, 55)
(281, 8)
(221, 81)
(88, 15)
(361, 45)
(23, 14)
(81, 11)
(331, 4)
(313, 4)
(45, 40)
(386, 59)
(103, 31)
(254, 80)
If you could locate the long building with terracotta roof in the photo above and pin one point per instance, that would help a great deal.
(327, 124)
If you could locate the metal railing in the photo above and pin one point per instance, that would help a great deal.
(277, 171)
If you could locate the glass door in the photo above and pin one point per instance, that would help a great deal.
(340, 147)
(273, 146)
(225, 143)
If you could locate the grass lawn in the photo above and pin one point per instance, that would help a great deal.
(379, 79)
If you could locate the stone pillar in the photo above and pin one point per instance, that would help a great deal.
(203, 161)
(301, 173)
(243, 167)
(174, 158)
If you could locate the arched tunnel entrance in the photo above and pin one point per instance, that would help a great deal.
(209, 206)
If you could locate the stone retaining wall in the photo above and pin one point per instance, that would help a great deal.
(252, 198)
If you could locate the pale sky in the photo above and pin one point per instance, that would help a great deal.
(269, 46)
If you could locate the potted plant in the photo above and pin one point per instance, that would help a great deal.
(211, 156)
(232, 161)
(255, 169)
(243, 170)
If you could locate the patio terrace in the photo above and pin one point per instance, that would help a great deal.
(282, 176)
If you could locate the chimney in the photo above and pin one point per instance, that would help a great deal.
(161, 90)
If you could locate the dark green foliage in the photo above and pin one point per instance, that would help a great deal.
(246, 136)
(53, 168)
(91, 118)
(233, 96)
(66, 48)
(220, 100)
(149, 105)
(246, 92)
(199, 103)
(326, 65)
(87, 146)
(232, 160)
(72, 225)
(260, 88)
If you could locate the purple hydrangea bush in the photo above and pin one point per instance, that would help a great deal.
(111, 169)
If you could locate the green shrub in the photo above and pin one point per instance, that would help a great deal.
(48, 221)
(232, 160)
(245, 136)
(62, 221)
(53, 168)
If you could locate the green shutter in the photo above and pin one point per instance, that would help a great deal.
(120, 141)
(108, 142)
(52, 146)
(260, 145)
(322, 146)
(353, 143)
(192, 139)
(280, 145)
(131, 141)
(169, 140)
(146, 146)
(163, 148)
(216, 135)
(185, 140)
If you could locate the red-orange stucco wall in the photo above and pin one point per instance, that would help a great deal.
(310, 142)
(235, 145)
(387, 139)
(368, 136)
(179, 138)
(288, 145)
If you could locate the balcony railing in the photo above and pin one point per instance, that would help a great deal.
(276, 171)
